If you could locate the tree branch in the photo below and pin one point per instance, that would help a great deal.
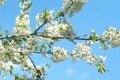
(38, 76)
(44, 24)
(40, 27)
(51, 37)
(78, 38)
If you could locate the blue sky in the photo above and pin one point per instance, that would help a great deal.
(96, 14)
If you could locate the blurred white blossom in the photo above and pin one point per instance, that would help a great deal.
(45, 16)
(23, 21)
(25, 6)
(58, 29)
(22, 25)
(102, 58)
(2, 2)
(59, 54)
(72, 6)
(83, 52)
(111, 38)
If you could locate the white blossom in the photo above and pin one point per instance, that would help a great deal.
(102, 58)
(21, 31)
(58, 29)
(25, 6)
(23, 20)
(17, 51)
(72, 6)
(39, 18)
(111, 38)
(48, 15)
(91, 42)
(22, 25)
(2, 2)
(6, 65)
(31, 42)
(59, 54)
(4, 76)
(26, 64)
(83, 52)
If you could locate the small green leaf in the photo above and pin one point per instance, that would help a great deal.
(101, 67)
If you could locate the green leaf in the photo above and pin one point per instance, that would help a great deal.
(29, 5)
(60, 13)
(43, 46)
(16, 77)
(101, 67)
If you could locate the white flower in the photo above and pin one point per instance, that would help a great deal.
(91, 42)
(25, 6)
(72, 6)
(31, 42)
(23, 21)
(22, 25)
(58, 29)
(59, 54)
(48, 15)
(21, 31)
(2, 49)
(102, 58)
(92, 31)
(6, 66)
(39, 18)
(111, 37)
(83, 52)
(83, 48)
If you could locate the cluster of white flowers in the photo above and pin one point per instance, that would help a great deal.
(22, 25)
(31, 43)
(25, 6)
(2, 2)
(72, 6)
(111, 38)
(6, 56)
(23, 20)
(12, 52)
(59, 54)
(6, 53)
(41, 69)
(2, 49)
(7, 67)
(3, 65)
(45, 16)
(9, 52)
(15, 52)
(58, 29)
(91, 42)
(26, 64)
(21, 31)
(39, 18)
(83, 52)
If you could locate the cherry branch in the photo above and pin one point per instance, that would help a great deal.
(38, 52)
(40, 27)
(39, 73)
(45, 36)
(44, 24)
